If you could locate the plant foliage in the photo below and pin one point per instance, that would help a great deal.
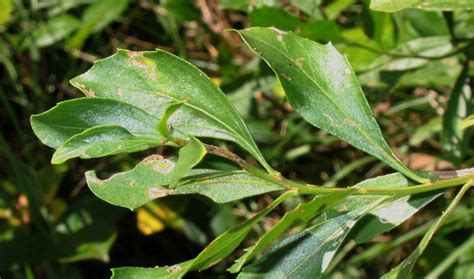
(183, 137)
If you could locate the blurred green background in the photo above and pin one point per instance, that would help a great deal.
(52, 226)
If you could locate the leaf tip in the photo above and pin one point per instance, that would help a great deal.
(56, 159)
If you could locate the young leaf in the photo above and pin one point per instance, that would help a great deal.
(391, 5)
(460, 106)
(54, 30)
(397, 5)
(6, 8)
(321, 86)
(189, 156)
(148, 181)
(403, 270)
(302, 214)
(163, 124)
(66, 119)
(96, 17)
(306, 254)
(468, 122)
(155, 79)
(165, 272)
(227, 242)
(101, 141)
(218, 249)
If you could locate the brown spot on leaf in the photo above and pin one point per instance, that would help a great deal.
(136, 58)
(152, 158)
(174, 268)
(278, 30)
(89, 92)
(158, 192)
(299, 62)
(133, 54)
(286, 77)
(159, 164)
(164, 166)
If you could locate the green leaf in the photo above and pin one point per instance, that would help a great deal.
(96, 17)
(460, 106)
(222, 187)
(86, 231)
(321, 86)
(436, 73)
(426, 131)
(404, 269)
(397, 5)
(54, 30)
(6, 8)
(189, 156)
(301, 214)
(168, 272)
(182, 10)
(273, 16)
(218, 249)
(360, 58)
(392, 5)
(153, 80)
(462, 217)
(468, 122)
(148, 181)
(321, 30)
(426, 23)
(336, 7)
(311, 8)
(381, 27)
(391, 212)
(306, 254)
(388, 70)
(163, 124)
(101, 141)
(67, 119)
(227, 242)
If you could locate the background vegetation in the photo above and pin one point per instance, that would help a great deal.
(408, 62)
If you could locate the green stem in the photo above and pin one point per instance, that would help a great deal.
(392, 191)
(305, 188)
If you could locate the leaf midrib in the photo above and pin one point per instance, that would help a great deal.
(84, 128)
(334, 103)
(358, 216)
(234, 132)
